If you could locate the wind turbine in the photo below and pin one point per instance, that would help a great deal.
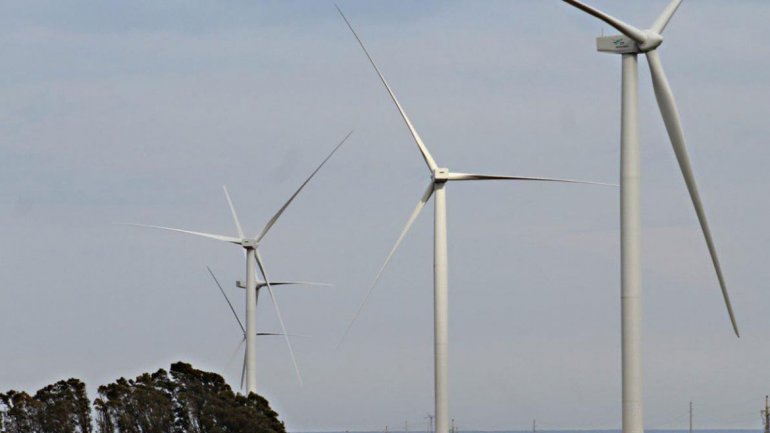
(629, 45)
(437, 187)
(254, 260)
(260, 285)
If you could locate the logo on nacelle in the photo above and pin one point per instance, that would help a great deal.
(616, 44)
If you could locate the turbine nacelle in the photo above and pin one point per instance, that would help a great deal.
(622, 44)
(249, 243)
(242, 284)
(440, 175)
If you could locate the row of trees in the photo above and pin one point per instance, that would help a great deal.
(182, 400)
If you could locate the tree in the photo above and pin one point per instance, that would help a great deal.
(206, 404)
(62, 407)
(19, 413)
(183, 400)
(142, 405)
(186, 401)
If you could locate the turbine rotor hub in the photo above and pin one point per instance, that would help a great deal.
(652, 41)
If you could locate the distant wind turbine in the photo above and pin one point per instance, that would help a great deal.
(254, 260)
(439, 177)
(260, 284)
(633, 42)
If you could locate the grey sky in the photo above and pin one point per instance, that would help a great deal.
(140, 112)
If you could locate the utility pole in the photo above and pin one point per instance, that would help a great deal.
(690, 417)
(766, 416)
(534, 426)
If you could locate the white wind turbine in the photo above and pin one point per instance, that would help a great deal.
(437, 187)
(254, 260)
(260, 285)
(633, 42)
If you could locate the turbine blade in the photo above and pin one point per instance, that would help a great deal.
(283, 208)
(295, 283)
(235, 352)
(415, 213)
(263, 334)
(469, 176)
(671, 118)
(235, 215)
(423, 149)
(662, 21)
(280, 317)
(627, 29)
(227, 299)
(243, 369)
(222, 238)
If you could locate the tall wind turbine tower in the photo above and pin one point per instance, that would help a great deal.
(440, 178)
(254, 260)
(629, 45)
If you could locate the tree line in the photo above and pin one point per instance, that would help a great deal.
(181, 400)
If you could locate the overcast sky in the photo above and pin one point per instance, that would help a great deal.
(140, 111)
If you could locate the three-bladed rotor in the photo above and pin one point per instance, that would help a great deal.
(439, 175)
(260, 284)
(647, 42)
(251, 245)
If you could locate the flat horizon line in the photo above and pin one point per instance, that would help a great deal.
(543, 431)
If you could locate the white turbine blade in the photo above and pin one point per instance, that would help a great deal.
(235, 215)
(409, 222)
(283, 208)
(205, 235)
(671, 118)
(627, 29)
(665, 17)
(227, 299)
(469, 176)
(423, 149)
(243, 369)
(280, 317)
(235, 352)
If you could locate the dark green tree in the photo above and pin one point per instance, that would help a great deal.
(62, 407)
(185, 401)
(142, 405)
(206, 404)
(19, 413)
